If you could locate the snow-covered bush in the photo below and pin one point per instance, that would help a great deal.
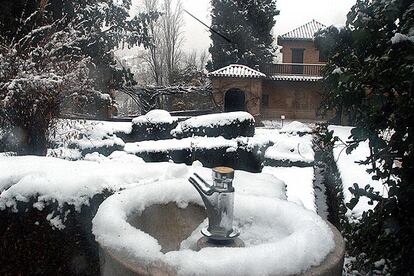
(155, 125)
(59, 57)
(35, 81)
(229, 125)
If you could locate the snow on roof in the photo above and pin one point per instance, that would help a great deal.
(295, 78)
(304, 32)
(237, 71)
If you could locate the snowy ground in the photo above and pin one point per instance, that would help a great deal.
(299, 184)
(352, 172)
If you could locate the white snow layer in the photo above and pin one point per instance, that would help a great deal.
(218, 119)
(296, 127)
(180, 144)
(87, 134)
(156, 116)
(281, 238)
(352, 172)
(299, 184)
(291, 148)
(75, 182)
(398, 37)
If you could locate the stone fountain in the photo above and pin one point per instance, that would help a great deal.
(167, 228)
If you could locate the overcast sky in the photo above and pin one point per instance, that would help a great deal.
(293, 13)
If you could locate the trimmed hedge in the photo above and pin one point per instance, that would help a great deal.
(286, 163)
(232, 130)
(242, 158)
(30, 246)
(150, 131)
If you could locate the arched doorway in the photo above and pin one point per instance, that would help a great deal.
(234, 100)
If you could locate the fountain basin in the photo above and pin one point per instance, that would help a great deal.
(153, 230)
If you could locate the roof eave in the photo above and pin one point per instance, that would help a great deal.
(235, 77)
(279, 38)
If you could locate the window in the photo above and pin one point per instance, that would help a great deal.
(323, 57)
(265, 100)
(297, 58)
(297, 55)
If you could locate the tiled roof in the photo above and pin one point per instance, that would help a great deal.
(304, 32)
(237, 71)
(295, 78)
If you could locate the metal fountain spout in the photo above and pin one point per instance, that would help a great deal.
(219, 201)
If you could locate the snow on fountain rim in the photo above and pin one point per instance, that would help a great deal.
(307, 242)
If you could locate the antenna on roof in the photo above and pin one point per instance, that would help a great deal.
(211, 29)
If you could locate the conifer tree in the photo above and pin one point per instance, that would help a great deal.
(248, 25)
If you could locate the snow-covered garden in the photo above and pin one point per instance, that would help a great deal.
(88, 187)
(56, 197)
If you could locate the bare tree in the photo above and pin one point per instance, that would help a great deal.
(196, 60)
(172, 25)
(164, 53)
(155, 53)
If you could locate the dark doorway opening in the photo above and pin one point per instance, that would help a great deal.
(234, 101)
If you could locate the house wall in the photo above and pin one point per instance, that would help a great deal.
(311, 54)
(295, 100)
(251, 87)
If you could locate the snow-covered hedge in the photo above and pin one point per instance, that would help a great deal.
(245, 153)
(229, 125)
(155, 125)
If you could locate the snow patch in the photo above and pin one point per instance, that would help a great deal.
(352, 172)
(398, 38)
(156, 116)
(299, 184)
(214, 120)
(292, 148)
(296, 127)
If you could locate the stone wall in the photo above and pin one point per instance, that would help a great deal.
(251, 87)
(294, 99)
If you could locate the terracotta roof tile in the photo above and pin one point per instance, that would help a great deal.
(304, 32)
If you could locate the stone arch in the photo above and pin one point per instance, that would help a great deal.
(234, 100)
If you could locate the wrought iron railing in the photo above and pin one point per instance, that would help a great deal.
(292, 69)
